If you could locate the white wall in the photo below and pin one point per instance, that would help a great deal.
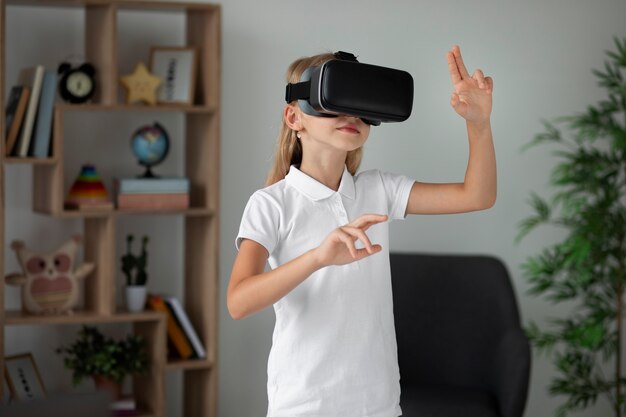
(540, 55)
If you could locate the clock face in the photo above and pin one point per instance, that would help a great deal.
(79, 84)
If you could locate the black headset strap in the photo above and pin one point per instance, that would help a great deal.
(301, 91)
(298, 91)
(345, 56)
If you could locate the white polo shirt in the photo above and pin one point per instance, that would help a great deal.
(334, 348)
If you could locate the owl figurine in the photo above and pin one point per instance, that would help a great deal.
(49, 282)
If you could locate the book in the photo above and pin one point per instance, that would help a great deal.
(152, 185)
(144, 201)
(16, 108)
(124, 403)
(86, 206)
(174, 332)
(31, 78)
(14, 98)
(185, 324)
(43, 127)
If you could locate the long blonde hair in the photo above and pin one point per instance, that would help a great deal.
(288, 147)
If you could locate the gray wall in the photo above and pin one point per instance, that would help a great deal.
(540, 55)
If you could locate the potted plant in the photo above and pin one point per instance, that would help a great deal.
(104, 359)
(589, 265)
(134, 268)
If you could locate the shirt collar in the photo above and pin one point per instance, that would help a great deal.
(315, 189)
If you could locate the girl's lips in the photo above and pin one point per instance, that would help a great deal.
(348, 128)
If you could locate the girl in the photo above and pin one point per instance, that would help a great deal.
(334, 349)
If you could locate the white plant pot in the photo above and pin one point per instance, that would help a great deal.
(136, 297)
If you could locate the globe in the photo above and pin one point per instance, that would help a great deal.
(150, 145)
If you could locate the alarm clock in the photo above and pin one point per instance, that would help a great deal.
(76, 84)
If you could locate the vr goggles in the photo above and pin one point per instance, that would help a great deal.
(345, 86)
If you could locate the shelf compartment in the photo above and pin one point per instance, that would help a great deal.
(18, 317)
(85, 214)
(180, 364)
(122, 4)
(135, 108)
(33, 161)
(57, 3)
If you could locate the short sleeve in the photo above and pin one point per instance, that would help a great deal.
(397, 190)
(260, 221)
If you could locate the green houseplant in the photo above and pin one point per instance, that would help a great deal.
(588, 266)
(104, 359)
(134, 268)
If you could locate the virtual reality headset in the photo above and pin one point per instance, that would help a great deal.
(344, 86)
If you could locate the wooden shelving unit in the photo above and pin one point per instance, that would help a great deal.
(201, 220)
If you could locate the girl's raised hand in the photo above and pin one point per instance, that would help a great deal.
(471, 98)
(338, 247)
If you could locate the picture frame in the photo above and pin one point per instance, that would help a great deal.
(23, 378)
(176, 66)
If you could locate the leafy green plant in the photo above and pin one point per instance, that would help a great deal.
(589, 265)
(135, 263)
(94, 354)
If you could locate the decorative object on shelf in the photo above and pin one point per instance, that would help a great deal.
(177, 67)
(141, 86)
(49, 281)
(23, 378)
(77, 84)
(181, 317)
(14, 116)
(104, 359)
(134, 267)
(165, 193)
(32, 78)
(88, 192)
(178, 345)
(150, 145)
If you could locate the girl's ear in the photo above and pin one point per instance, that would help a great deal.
(292, 117)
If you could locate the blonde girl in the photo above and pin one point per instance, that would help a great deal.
(323, 229)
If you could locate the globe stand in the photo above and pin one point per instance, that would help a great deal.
(148, 173)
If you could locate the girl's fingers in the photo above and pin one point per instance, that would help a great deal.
(456, 51)
(458, 104)
(480, 77)
(363, 253)
(455, 75)
(347, 239)
(359, 234)
(489, 82)
(367, 220)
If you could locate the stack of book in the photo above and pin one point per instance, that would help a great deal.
(29, 113)
(183, 341)
(124, 407)
(167, 193)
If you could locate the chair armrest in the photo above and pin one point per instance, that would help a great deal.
(511, 373)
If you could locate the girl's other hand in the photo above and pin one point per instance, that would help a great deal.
(471, 98)
(338, 247)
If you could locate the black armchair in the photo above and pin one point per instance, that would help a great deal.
(461, 349)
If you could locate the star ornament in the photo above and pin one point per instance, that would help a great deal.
(141, 85)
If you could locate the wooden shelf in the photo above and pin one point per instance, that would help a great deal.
(178, 364)
(135, 108)
(56, 3)
(32, 161)
(84, 214)
(17, 317)
(124, 4)
(200, 226)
